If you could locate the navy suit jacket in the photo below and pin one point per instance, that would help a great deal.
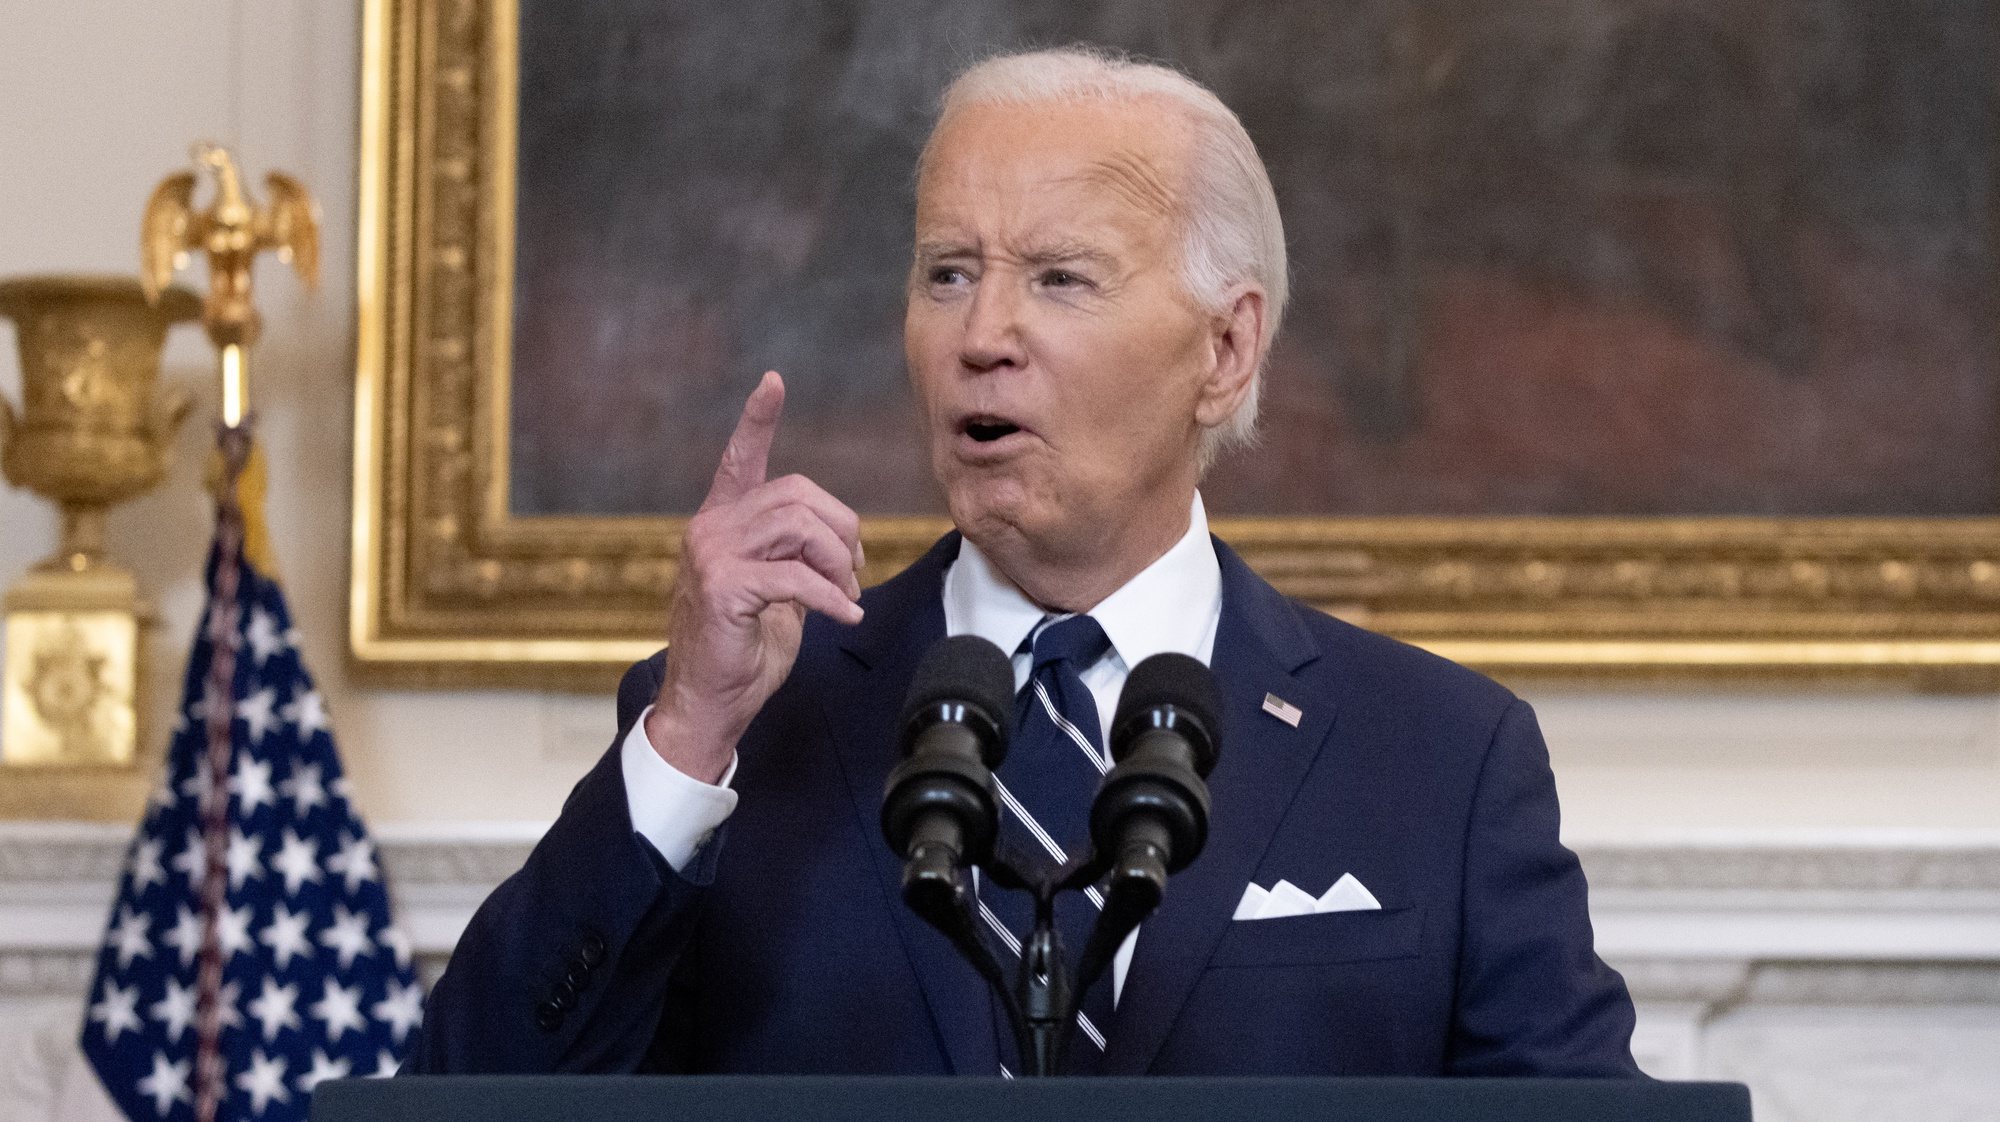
(785, 947)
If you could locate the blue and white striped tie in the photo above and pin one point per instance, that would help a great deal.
(1046, 784)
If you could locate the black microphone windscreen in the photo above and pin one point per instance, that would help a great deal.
(1172, 679)
(969, 669)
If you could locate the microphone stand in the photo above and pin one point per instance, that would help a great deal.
(937, 890)
(1041, 1006)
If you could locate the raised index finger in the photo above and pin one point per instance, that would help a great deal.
(747, 456)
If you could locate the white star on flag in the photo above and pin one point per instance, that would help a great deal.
(264, 636)
(226, 1001)
(192, 861)
(232, 931)
(308, 712)
(403, 1008)
(297, 861)
(305, 789)
(386, 1065)
(340, 1008)
(241, 858)
(323, 1069)
(186, 935)
(264, 1082)
(162, 795)
(286, 935)
(274, 1008)
(252, 785)
(347, 935)
(130, 934)
(168, 1083)
(146, 870)
(117, 1010)
(176, 1010)
(355, 862)
(396, 941)
(256, 711)
(196, 787)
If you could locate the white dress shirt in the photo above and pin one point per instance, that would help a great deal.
(1174, 604)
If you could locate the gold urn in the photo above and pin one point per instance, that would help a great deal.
(94, 429)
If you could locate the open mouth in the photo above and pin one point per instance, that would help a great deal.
(986, 430)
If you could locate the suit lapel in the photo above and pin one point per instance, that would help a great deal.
(1260, 645)
(905, 616)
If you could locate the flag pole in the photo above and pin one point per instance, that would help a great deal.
(231, 234)
(261, 958)
(218, 712)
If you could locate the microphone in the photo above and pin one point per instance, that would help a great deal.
(1151, 813)
(938, 809)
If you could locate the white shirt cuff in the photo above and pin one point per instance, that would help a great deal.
(669, 808)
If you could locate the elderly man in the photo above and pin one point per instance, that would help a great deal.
(1098, 273)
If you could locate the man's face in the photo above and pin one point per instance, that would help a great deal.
(1061, 367)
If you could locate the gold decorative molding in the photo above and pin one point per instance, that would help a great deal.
(449, 586)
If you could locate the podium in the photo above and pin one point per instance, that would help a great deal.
(712, 1098)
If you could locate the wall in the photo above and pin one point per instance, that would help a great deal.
(102, 98)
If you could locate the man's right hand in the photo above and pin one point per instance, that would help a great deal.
(756, 557)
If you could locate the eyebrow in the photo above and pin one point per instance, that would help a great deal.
(1064, 251)
(936, 250)
(1049, 253)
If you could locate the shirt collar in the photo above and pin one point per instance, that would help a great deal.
(1170, 606)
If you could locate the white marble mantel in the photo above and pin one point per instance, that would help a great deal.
(1835, 973)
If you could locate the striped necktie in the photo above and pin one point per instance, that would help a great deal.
(1046, 784)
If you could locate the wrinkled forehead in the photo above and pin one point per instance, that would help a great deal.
(1132, 150)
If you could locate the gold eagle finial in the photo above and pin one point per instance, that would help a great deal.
(231, 232)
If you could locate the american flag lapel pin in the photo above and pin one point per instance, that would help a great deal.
(1283, 710)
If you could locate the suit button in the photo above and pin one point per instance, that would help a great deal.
(578, 977)
(549, 1016)
(562, 995)
(592, 951)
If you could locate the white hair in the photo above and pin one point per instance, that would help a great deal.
(1233, 234)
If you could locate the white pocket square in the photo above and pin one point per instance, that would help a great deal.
(1288, 899)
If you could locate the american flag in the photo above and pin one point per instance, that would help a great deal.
(250, 954)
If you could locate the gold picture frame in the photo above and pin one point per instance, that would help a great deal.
(449, 586)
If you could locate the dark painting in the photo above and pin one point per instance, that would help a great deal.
(1549, 256)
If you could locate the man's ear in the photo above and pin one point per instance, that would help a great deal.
(1238, 341)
